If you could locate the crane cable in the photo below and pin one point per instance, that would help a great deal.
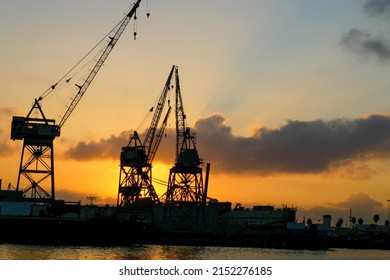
(62, 110)
(159, 181)
(53, 87)
(151, 110)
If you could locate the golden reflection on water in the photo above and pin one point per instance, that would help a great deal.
(160, 252)
(31, 252)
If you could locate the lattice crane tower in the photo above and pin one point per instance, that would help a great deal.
(135, 179)
(38, 132)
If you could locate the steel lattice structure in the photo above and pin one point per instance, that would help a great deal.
(186, 193)
(38, 134)
(135, 179)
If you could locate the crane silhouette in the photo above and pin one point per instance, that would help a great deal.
(38, 132)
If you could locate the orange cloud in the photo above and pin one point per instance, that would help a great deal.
(6, 147)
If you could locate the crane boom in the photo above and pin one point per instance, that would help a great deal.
(135, 178)
(38, 132)
(180, 117)
(159, 136)
(113, 40)
(149, 138)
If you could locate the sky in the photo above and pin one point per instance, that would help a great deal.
(289, 99)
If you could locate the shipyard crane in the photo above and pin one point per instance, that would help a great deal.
(38, 132)
(186, 192)
(185, 182)
(135, 179)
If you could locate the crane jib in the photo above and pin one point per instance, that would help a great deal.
(148, 142)
(38, 132)
(99, 64)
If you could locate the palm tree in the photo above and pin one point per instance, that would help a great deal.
(353, 220)
(376, 218)
(339, 223)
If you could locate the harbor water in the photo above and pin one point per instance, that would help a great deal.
(160, 252)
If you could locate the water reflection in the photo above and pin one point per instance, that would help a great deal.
(159, 252)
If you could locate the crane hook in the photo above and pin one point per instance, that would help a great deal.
(135, 25)
(148, 8)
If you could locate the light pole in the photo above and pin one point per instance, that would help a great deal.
(91, 198)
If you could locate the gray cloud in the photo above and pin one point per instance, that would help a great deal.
(377, 8)
(360, 201)
(6, 145)
(110, 148)
(298, 147)
(362, 42)
(103, 149)
(361, 205)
